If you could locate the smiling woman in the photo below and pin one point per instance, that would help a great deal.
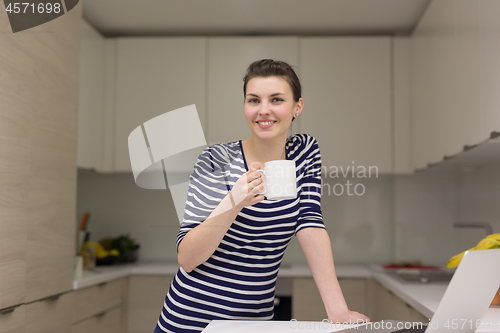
(232, 238)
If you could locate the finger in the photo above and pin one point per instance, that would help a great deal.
(253, 175)
(255, 182)
(256, 190)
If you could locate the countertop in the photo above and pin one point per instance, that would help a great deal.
(103, 274)
(423, 297)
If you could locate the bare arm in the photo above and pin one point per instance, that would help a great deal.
(316, 246)
(201, 242)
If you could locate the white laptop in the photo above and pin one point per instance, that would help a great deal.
(465, 300)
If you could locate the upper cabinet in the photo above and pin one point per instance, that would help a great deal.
(92, 96)
(347, 100)
(455, 69)
(346, 86)
(489, 65)
(228, 59)
(154, 76)
(96, 100)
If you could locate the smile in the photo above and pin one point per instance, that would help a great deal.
(265, 124)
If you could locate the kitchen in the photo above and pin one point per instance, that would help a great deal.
(414, 134)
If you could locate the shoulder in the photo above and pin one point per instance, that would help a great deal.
(302, 142)
(219, 154)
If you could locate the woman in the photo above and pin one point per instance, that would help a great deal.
(232, 240)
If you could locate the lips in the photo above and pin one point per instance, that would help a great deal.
(264, 124)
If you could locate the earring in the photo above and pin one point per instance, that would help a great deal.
(296, 114)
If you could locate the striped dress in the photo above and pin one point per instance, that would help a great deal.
(238, 280)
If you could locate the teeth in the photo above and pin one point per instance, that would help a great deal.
(266, 122)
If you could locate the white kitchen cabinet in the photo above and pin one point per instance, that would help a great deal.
(96, 101)
(307, 303)
(347, 100)
(109, 321)
(467, 114)
(387, 306)
(455, 70)
(94, 300)
(435, 116)
(145, 301)
(402, 105)
(228, 59)
(91, 98)
(154, 76)
(101, 308)
(489, 63)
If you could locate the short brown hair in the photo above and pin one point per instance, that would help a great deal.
(270, 67)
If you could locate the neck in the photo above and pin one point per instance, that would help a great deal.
(267, 150)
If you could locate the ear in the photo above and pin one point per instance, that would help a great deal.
(298, 107)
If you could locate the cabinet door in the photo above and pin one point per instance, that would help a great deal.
(154, 76)
(306, 301)
(51, 191)
(308, 305)
(50, 315)
(91, 99)
(15, 112)
(97, 299)
(145, 301)
(467, 115)
(228, 59)
(109, 321)
(490, 66)
(12, 320)
(387, 306)
(347, 100)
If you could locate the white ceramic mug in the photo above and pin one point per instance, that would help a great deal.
(281, 182)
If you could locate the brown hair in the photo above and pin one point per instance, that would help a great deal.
(270, 67)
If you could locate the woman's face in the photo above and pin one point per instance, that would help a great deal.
(269, 107)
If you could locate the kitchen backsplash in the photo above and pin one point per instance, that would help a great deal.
(402, 217)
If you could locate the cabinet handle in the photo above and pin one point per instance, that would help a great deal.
(7, 310)
(408, 305)
(102, 284)
(100, 314)
(53, 298)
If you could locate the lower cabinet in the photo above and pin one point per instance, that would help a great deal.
(387, 306)
(101, 308)
(145, 298)
(50, 315)
(307, 304)
(12, 319)
(110, 321)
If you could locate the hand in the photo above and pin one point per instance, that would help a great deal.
(245, 191)
(348, 317)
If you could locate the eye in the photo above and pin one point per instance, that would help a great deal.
(277, 99)
(252, 100)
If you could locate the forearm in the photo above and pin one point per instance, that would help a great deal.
(200, 242)
(315, 244)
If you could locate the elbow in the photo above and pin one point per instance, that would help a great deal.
(186, 266)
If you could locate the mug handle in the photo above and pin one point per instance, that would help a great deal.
(262, 171)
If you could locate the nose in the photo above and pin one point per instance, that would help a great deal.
(265, 109)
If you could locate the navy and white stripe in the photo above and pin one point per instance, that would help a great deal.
(238, 280)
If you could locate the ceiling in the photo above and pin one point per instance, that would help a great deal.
(115, 18)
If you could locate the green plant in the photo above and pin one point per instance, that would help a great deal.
(125, 244)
